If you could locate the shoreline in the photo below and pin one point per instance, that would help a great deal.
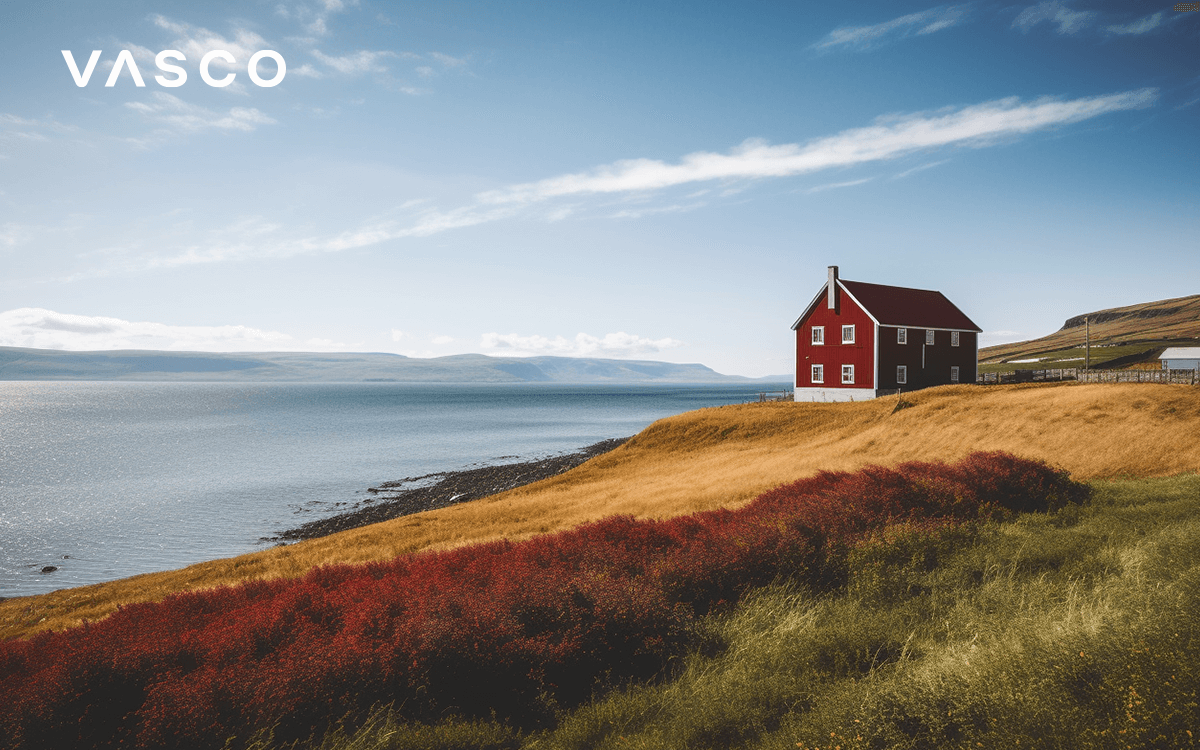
(396, 498)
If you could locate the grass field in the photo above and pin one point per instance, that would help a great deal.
(723, 457)
(1075, 629)
(1144, 354)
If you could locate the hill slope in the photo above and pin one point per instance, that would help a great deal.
(724, 457)
(1128, 333)
(47, 364)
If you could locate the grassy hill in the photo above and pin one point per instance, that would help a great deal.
(1120, 336)
(723, 457)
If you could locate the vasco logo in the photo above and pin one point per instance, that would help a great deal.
(125, 59)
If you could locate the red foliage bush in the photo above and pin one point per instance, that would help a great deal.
(502, 628)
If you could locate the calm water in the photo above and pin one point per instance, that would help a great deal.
(107, 480)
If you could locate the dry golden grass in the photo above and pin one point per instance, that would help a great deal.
(724, 457)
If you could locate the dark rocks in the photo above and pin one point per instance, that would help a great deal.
(391, 500)
(49, 569)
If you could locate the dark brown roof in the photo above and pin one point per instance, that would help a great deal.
(915, 308)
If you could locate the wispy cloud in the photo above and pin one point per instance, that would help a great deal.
(26, 128)
(179, 116)
(638, 182)
(618, 345)
(46, 329)
(835, 185)
(919, 168)
(1053, 12)
(357, 63)
(1140, 26)
(12, 234)
(315, 16)
(862, 38)
(196, 41)
(888, 138)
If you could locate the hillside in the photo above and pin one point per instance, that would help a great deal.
(48, 364)
(1120, 336)
(723, 457)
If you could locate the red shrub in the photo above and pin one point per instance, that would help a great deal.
(505, 628)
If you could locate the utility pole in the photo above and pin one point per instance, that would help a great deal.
(1087, 346)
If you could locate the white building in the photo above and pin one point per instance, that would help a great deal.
(1181, 358)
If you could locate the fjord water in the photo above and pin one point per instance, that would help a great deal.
(104, 480)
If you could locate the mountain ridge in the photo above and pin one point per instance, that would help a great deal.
(18, 363)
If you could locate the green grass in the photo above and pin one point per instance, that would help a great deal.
(1072, 630)
(1074, 357)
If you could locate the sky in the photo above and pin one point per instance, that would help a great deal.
(649, 180)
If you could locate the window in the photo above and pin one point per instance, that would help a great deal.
(818, 335)
(953, 374)
(818, 373)
(847, 334)
(929, 337)
(901, 335)
(848, 374)
(902, 374)
(954, 338)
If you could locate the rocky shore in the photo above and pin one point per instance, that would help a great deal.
(400, 498)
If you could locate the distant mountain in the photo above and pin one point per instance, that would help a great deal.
(1119, 336)
(48, 364)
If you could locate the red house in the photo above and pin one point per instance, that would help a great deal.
(857, 340)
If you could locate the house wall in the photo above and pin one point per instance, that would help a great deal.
(1181, 364)
(833, 353)
(928, 365)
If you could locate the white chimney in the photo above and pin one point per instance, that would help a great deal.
(831, 291)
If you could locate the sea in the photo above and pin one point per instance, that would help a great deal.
(103, 480)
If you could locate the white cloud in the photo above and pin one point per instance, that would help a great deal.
(920, 168)
(45, 329)
(397, 334)
(866, 37)
(314, 20)
(618, 345)
(992, 338)
(1069, 21)
(888, 138)
(195, 41)
(363, 61)
(30, 129)
(442, 340)
(835, 185)
(632, 182)
(13, 234)
(447, 61)
(1140, 26)
(172, 111)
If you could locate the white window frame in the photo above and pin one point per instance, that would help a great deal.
(845, 330)
(818, 373)
(818, 335)
(954, 373)
(954, 338)
(847, 374)
(929, 337)
(902, 374)
(901, 335)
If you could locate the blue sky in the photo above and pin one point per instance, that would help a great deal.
(654, 180)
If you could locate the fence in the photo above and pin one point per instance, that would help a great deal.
(1029, 376)
(1186, 377)
(772, 396)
